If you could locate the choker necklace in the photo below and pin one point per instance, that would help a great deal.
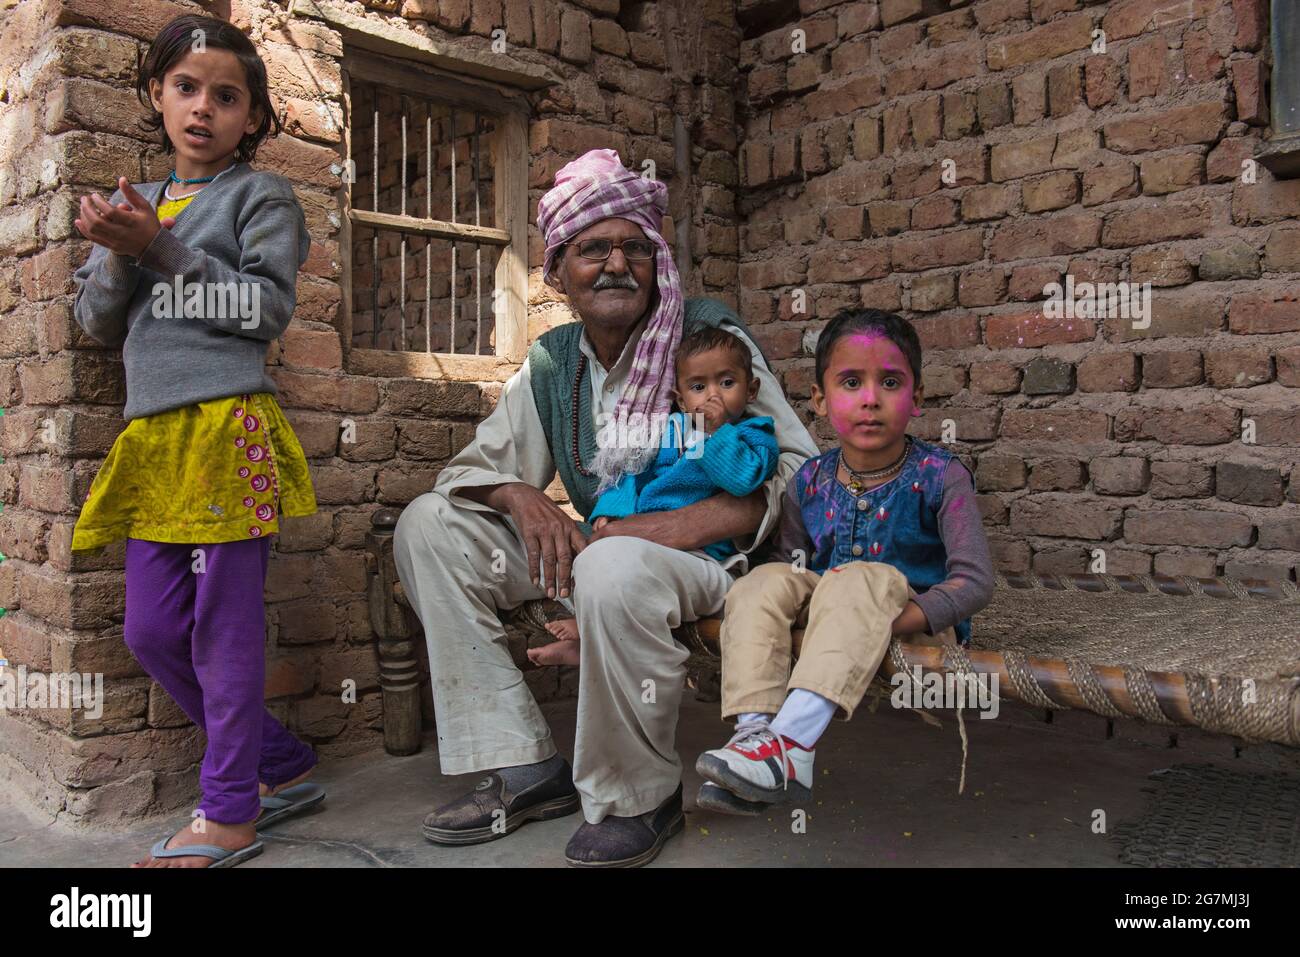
(189, 182)
(167, 192)
(859, 476)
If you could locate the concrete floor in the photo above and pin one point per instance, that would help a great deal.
(886, 795)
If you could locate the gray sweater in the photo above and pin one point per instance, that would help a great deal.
(235, 251)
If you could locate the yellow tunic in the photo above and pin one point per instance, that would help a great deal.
(222, 470)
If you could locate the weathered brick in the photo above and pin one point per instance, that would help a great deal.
(1053, 191)
(933, 292)
(1119, 474)
(848, 263)
(1061, 517)
(994, 105)
(1029, 282)
(1171, 370)
(1196, 527)
(934, 212)
(1237, 368)
(1191, 316)
(1101, 80)
(1232, 260)
(1249, 81)
(953, 330)
(1181, 480)
(1155, 223)
(1014, 160)
(1282, 251)
(1164, 266)
(1045, 236)
(1201, 424)
(1247, 483)
(994, 378)
(1262, 315)
(982, 287)
(1000, 473)
(1108, 372)
(914, 253)
(1048, 376)
(1178, 126)
(1252, 22)
(1041, 43)
(1104, 184)
(1056, 475)
(1170, 172)
(1064, 89)
(1076, 426)
(1146, 68)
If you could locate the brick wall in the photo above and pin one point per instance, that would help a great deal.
(816, 175)
(650, 80)
(1127, 164)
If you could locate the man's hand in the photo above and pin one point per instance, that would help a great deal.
(551, 537)
(664, 528)
(127, 228)
(714, 519)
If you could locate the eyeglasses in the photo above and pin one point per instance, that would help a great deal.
(598, 250)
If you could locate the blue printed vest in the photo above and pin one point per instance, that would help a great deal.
(896, 523)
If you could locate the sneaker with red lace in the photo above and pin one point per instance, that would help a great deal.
(759, 765)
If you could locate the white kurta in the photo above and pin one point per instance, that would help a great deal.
(460, 561)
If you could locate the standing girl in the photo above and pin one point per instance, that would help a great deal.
(193, 277)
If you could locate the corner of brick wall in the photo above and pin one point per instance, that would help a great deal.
(654, 81)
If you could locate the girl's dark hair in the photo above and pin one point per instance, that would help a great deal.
(707, 338)
(852, 320)
(174, 41)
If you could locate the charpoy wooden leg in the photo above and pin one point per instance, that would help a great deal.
(396, 631)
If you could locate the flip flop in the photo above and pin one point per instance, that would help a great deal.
(289, 802)
(221, 857)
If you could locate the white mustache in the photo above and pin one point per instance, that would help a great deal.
(606, 281)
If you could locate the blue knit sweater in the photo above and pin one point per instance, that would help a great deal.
(737, 458)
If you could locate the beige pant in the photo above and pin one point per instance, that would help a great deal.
(847, 614)
(628, 596)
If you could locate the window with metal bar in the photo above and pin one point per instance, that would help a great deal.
(436, 235)
(418, 279)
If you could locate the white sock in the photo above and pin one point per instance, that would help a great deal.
(804, 717)
(753, 716)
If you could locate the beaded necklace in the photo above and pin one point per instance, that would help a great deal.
(573, 431)
(857, 477)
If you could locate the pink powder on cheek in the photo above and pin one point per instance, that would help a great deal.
(840, 410)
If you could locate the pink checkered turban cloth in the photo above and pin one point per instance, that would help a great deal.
(593, 187)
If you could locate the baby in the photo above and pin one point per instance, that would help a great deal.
(707, 447)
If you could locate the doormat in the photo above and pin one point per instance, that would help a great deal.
(1203, 815)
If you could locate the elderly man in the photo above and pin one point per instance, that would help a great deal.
(488, 538)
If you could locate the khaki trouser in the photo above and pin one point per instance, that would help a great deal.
(459, 565)
(847, 614)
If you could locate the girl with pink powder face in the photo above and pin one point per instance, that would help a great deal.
(880, 538)
(870, 394)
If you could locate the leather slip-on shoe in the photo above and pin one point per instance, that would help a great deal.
(490, 811)
(627, 841)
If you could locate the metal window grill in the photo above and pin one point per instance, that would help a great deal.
(415, 284)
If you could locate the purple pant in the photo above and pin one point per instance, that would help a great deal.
(202, 637)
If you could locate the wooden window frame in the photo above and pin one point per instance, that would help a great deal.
(509, 159)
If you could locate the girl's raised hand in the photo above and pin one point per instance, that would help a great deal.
(126, 228)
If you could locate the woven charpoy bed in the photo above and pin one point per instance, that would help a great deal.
(1222, 655)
